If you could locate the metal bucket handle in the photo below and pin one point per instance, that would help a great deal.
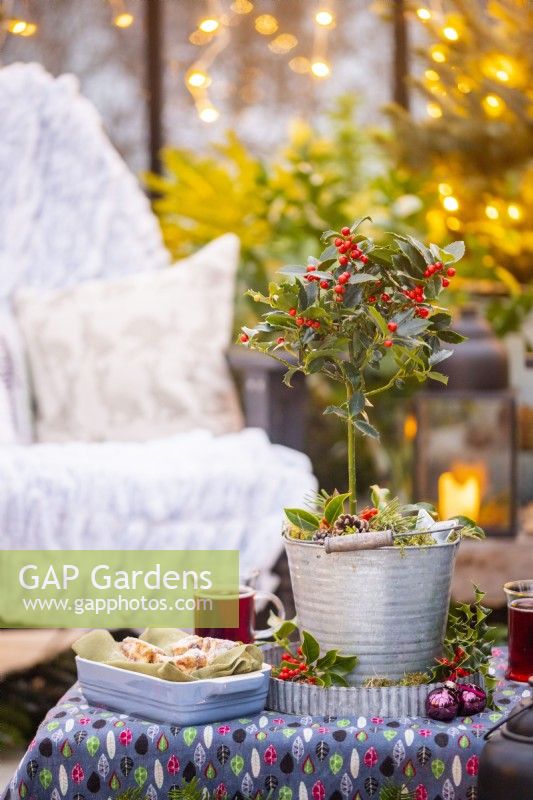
(376, 539)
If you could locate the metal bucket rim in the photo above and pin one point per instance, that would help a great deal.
(390, 549)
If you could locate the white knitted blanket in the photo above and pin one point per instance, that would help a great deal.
(191, 491)
(70, 210)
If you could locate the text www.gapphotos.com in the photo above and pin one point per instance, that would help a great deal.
(110, 605)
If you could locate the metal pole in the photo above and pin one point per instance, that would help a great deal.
(154, 79)
(401, 55)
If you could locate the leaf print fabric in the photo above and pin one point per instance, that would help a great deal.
(100, 754)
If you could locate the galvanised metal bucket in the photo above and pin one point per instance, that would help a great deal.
(388, 606)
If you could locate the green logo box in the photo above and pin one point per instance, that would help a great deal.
(119, 588)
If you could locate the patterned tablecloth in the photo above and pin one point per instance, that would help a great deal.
(86, 753)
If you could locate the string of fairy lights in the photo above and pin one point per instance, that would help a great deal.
(498, 67)
(212, 36)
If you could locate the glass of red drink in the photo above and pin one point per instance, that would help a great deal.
(224, 608)
(520, 610)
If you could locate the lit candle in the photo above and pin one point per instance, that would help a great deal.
(459, 497)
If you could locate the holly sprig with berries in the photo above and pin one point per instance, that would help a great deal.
(305, 664)
(468, 643)
(361, 309)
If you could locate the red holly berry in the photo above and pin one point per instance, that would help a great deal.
(308, 323)
(355, 253)
(364, 259)
(372, 298)
(300, 321)
(324, 285)
(450, 272)
(387, 343)
(423, 312)
(345, 246)
(445, 283)
(338, 242)
(392, 326)
(368, 513)
(311, 268)
(385, 297)
(280, 340)
(438, 265)
(316, 324)
(411, 294)
(339, 289)
(427, 273)
(344, 278)
(292, 312)
(345, 231)
(338, 298)
(343, 260)
(244, 338)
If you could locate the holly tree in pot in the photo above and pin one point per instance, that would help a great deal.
(361, 308)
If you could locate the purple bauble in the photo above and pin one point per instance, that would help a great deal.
(443, 704)
(472, 699)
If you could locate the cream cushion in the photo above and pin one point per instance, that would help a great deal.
(135, 358)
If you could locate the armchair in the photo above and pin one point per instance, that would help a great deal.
(70, 212)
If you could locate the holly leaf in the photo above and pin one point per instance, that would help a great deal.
(310, 647)
(329, 254)
(285, 630)
(327, 235)
(412, 327)
(357, 403)
(288, 376)
(440, 355)
(424, 251)
(440, 321)
(359, 222)
(366, 428)
(378, 319)
(311, 292)
(280, 319)
(334, 507)
(345, 664)
(362, 277)
(380, 496)
(437, 376)
(293, 269)
(451, 337)
(413, 255)
(340, 412)
(327, 660)
(303, 519)
(352, 296)
(336, 679)
(455, 249)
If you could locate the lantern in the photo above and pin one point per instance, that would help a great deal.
(466, 434)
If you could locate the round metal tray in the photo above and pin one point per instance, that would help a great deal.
(303, 699)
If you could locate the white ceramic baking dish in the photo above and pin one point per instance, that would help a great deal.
(156, 699)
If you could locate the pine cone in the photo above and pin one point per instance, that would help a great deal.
(350, 523)
(323, 533)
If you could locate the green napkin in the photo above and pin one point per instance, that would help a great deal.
(99, 645)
